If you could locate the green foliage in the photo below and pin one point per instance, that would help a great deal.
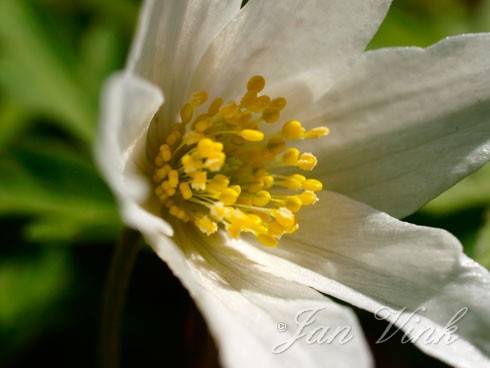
(51, 71)
(62, 191)
(421, 23)
(482, 249)
(34, 73)
(30, 289)
(473, 191)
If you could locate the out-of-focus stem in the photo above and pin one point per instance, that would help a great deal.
(117, 283)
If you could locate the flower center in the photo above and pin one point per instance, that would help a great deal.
(220, 167)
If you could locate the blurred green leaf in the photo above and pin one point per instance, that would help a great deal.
(482, 249)
(29, 287)
(473, 191)
(50, 182)
(422, 23)
(34, 73)
(100, 53)
(482, 16)
(122, 11)
(13, 120)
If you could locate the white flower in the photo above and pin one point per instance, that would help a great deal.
(406, 124)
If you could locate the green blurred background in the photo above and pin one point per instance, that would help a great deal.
(58, 221)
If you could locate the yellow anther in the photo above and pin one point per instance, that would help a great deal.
(206, 225)
(199, 179)
(162, 196)
(293, 130)
(165, 152)
(308, 198)
(215, 161)
(291, 156)
(193, 137)
(298, 177)
(234, 229)
(307, 161)
(173, 178)
(158, 161)
(294, 182)
(182, 215)
(293, 203)
(248, 99)
(219, 211)
(291, 229)
(228, 110)
(274, 229)
(236, 188)
(253, 221)
(203, 125)
(278, 103)
(271, 115)
(218, 183)
(173, 137)
(260, 103)
(207, 147)
(317, 132)
(190, 164)
(252, 135)
(161, 173)
(198, 98)
(284, 217)
(262, 198)
(245, 199)
(313, 185)
(228, 196)
(256, 83)
(185, 190)
(244, 120)
(267, 240)
(268, 181)
(215, 106)
(174, 210)
(186, 113)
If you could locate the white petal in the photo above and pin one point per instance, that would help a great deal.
(371, 260)
(128, 106)
(243, 306)
(407, 123)
(301, 47)
(171, 39)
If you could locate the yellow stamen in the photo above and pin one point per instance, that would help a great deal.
(313, 185)
(308, 198)
(216, 168)
(316, 133)
(252, 135)
(307, 161)
(291, 156)
(206, 225)
(186, 113)
(267, 240)
(293, 130)
(256, 83)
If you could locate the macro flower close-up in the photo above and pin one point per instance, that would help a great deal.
(245, 183)
(268, 158)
